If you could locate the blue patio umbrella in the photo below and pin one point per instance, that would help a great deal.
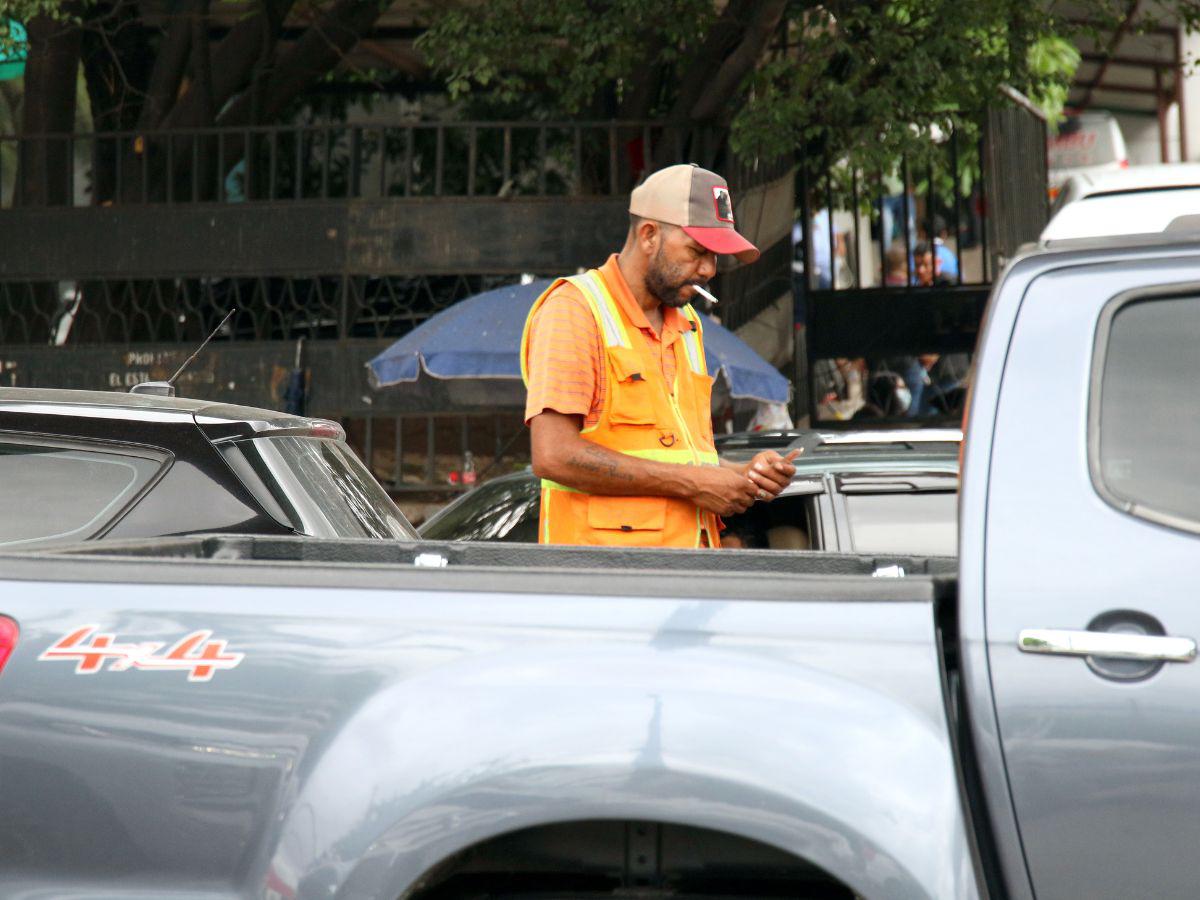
(478, 340)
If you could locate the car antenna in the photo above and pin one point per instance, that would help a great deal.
(167, 388)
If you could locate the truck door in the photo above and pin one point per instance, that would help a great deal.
(1092, 604)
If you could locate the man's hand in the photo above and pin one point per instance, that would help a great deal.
(770, 473)
(721, 490)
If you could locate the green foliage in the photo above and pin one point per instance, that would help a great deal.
(861, 80)
(873, 81)
(1052, 60)
(564, 52)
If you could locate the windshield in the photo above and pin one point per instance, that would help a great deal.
(323, 490)
(501, 510)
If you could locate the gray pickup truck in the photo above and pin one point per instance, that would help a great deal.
(281, 717)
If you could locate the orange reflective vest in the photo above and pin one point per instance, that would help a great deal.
(642, 416)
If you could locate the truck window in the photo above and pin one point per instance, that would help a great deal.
(58, 494)
(1144, 431)
(920, 523)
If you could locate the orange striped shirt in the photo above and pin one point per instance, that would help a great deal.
(566, 349)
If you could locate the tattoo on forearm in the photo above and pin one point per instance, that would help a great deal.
(600, 462)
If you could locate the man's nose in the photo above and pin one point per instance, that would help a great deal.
(708, 266)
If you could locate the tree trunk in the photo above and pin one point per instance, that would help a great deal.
(322, 46)
(233, 61)
(716, 72)
(44, 167)
(116, 70)
(170, 64)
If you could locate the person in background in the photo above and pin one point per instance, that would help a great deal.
(895, 266)
(925, 271)
(944, 259)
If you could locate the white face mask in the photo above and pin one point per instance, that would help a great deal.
(903, 398)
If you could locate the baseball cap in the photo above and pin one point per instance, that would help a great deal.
(696, 200)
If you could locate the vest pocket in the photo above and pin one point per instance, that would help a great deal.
(630, 401)
(627, 514)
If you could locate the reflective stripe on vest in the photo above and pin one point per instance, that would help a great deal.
(604, 307)
(693, 344)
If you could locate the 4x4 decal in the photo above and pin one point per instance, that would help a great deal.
(197, 654)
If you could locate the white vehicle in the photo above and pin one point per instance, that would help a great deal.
(1089, 143)
(1139, 200)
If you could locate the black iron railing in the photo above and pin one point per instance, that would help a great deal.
(351, 161)
(270, 307)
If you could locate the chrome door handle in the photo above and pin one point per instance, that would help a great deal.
(1111, 644)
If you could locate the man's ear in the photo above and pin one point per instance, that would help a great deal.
(649, 234)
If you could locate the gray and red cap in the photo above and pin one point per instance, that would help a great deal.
(696, 200)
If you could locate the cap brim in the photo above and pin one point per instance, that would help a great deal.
(723, 240)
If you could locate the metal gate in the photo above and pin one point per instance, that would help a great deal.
(893, 269)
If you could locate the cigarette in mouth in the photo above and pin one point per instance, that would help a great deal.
(703, 293)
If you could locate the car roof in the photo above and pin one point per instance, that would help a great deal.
(1157, 176)
(58, 401)
(1180, 236)
(822, 446)
(1126, 213)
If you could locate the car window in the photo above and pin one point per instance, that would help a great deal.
(57, 494)
(786, 523)
(502, 510)
(920, 523)
(324, 490)
(1144, 430)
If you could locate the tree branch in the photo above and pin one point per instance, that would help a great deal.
(170, 65)
(718, 42)
(319, 49)
(724, 85)
(233, 60)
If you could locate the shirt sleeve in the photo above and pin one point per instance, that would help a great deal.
(563, 365)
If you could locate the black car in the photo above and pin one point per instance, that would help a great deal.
(81, 465)
(854, 492)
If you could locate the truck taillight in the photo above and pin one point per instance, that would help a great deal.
(8, 639)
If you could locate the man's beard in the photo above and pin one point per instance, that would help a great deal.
(664, 283)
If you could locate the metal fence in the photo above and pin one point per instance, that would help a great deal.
(894, 268)
(425, 455)
(352, 161)
(270, 307)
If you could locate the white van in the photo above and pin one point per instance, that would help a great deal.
(1138, 200)
(1088, 143)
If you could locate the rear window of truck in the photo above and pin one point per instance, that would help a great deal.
(1144, 431)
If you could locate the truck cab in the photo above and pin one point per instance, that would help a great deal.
(1080, 530)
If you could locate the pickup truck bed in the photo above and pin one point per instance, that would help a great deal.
(359, 720)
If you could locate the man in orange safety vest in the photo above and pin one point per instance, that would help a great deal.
(619, 396)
